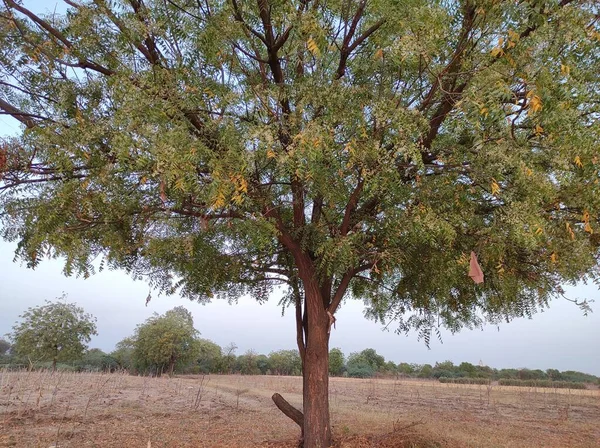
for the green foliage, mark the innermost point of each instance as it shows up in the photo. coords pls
(96, 360)
(165, 342)
(336, 362)
(211, 149)
(55, 332)
(464, 380)
(209, 356)
(541, 383)
(285, 362)
(123, 354)
(247, 364)
(365, 364)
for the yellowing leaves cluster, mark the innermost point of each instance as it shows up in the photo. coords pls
(495, 187)
(535, 102)
(586, 221)
(313, 47)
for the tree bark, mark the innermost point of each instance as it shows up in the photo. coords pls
(290, 411)
(315, 373)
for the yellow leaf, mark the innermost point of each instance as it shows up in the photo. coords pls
(588, 228)
(539, 130)
(271, 154)
(484, 111)
(379, 54)
(219, 201)
(495, 187)
(497, 51)
(570, 230)
(535, 104)
(554, 257)
(528, 171)
(514, 36)
(578, 162)
(539, 231)
(313, 47)
(565, 69)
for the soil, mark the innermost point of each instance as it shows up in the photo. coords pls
(40, 409)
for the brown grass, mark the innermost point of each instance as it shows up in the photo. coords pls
(92, 410)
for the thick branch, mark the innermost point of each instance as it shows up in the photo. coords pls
(17, 114)
(289, 410)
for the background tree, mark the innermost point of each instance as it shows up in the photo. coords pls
(229, 359)
(96, 360)
(336, 362)
(285, 362)
(57, 331)
(123, 353)
(165, 341)
(247, 364)
(209, 357)
(365, 364)
(4, 347)
(343, 149)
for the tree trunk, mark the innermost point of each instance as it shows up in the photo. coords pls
(315, 374)
(53, 365)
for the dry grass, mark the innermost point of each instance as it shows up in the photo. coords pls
(92, 410)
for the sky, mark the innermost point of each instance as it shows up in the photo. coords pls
(560, 337)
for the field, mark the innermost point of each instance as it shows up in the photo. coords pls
(41, 409)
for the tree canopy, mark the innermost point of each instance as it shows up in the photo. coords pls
(340, 149)
(162, 342)
(57, 331)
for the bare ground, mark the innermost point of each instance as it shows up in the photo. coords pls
(40, 409)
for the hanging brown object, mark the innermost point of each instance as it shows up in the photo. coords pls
(475, 271)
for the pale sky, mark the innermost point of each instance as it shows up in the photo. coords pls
(560, 337)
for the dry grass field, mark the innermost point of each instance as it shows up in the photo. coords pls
(46, 410)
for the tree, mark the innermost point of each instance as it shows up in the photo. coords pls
(358, 366)
(247, 364)
(336, 362)
(365, 364)
(209, 356)
(342, 149)
(96, 360)
(4, 347)
(123, 353)
(285, 362)
(57, 331)
(166, 341)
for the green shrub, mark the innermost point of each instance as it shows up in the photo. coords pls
(444, 379)
(541, 383)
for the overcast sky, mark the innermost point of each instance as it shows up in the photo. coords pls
(560, 337)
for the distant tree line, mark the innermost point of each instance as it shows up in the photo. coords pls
(54, 336)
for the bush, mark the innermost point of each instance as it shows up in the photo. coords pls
(444, 379)
(541, 383)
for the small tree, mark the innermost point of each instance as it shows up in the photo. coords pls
(336, 362)
(57, 331)
(163, 342)
(123, 353)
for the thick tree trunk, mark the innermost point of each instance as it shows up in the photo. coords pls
(315, 373)
(317, 429)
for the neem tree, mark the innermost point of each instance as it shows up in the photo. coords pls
(341, 149)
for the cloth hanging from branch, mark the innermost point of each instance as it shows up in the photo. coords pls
(475, 271)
